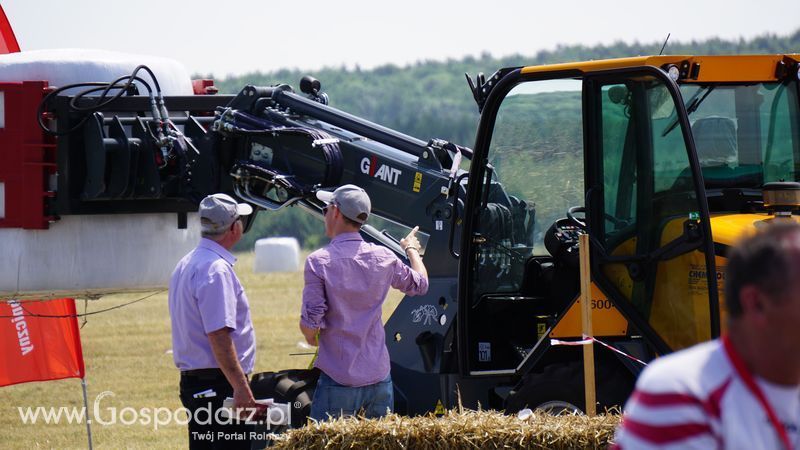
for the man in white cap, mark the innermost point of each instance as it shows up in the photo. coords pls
(345, 285)
(213, 342)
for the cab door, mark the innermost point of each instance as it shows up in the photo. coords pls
(653, 253)
(548, 142)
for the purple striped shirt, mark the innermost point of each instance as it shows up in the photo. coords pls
(346, 283)
(205, 295)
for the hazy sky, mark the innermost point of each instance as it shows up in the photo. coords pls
(236, 36)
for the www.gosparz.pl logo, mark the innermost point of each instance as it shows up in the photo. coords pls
(277, 414)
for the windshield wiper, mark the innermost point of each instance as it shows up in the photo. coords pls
(694, 103)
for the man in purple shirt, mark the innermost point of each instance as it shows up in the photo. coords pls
(345, 285)
(213, 343)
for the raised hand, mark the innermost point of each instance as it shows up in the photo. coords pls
(410, 241)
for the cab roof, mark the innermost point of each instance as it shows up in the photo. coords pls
(694, 69)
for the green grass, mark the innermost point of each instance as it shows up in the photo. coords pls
(126, 352)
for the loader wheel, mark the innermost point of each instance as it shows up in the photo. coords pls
(558, 389)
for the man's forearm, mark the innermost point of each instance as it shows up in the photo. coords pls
(225, 354)
(410, 244)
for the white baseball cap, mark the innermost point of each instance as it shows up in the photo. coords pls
(351, 200)
(219, 211)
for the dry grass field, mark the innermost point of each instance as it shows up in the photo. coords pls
(127, 352)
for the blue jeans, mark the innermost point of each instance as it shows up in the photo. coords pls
(332, 399)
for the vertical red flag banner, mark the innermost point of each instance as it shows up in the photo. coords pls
(40, 340)
(8, 42)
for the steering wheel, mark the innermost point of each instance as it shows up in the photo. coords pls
(561, 239)
(581, 223)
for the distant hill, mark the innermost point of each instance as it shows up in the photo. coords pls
(430, 98)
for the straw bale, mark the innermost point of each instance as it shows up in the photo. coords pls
(466, 429)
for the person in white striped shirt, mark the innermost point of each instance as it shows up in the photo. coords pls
(741, 391)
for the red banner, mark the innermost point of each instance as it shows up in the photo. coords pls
(8, 42)
(40, 341)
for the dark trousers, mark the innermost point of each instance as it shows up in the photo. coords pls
(205, 430)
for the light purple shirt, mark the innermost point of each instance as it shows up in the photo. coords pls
(346, 283)
(204, 296)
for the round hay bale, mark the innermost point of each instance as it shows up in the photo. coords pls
(278, 254)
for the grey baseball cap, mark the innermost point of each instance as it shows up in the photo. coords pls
(219, 211)
(351, 200)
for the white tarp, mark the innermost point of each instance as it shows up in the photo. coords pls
(99, 254)
(92, 254)
(60, 67)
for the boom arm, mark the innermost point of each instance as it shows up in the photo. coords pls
(272, 147)
(287, 146)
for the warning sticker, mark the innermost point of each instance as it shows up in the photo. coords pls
(439, 410)
(417, 181)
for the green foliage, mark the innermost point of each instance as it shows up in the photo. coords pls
(430, 99)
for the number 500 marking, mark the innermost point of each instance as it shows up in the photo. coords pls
(602, 304)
